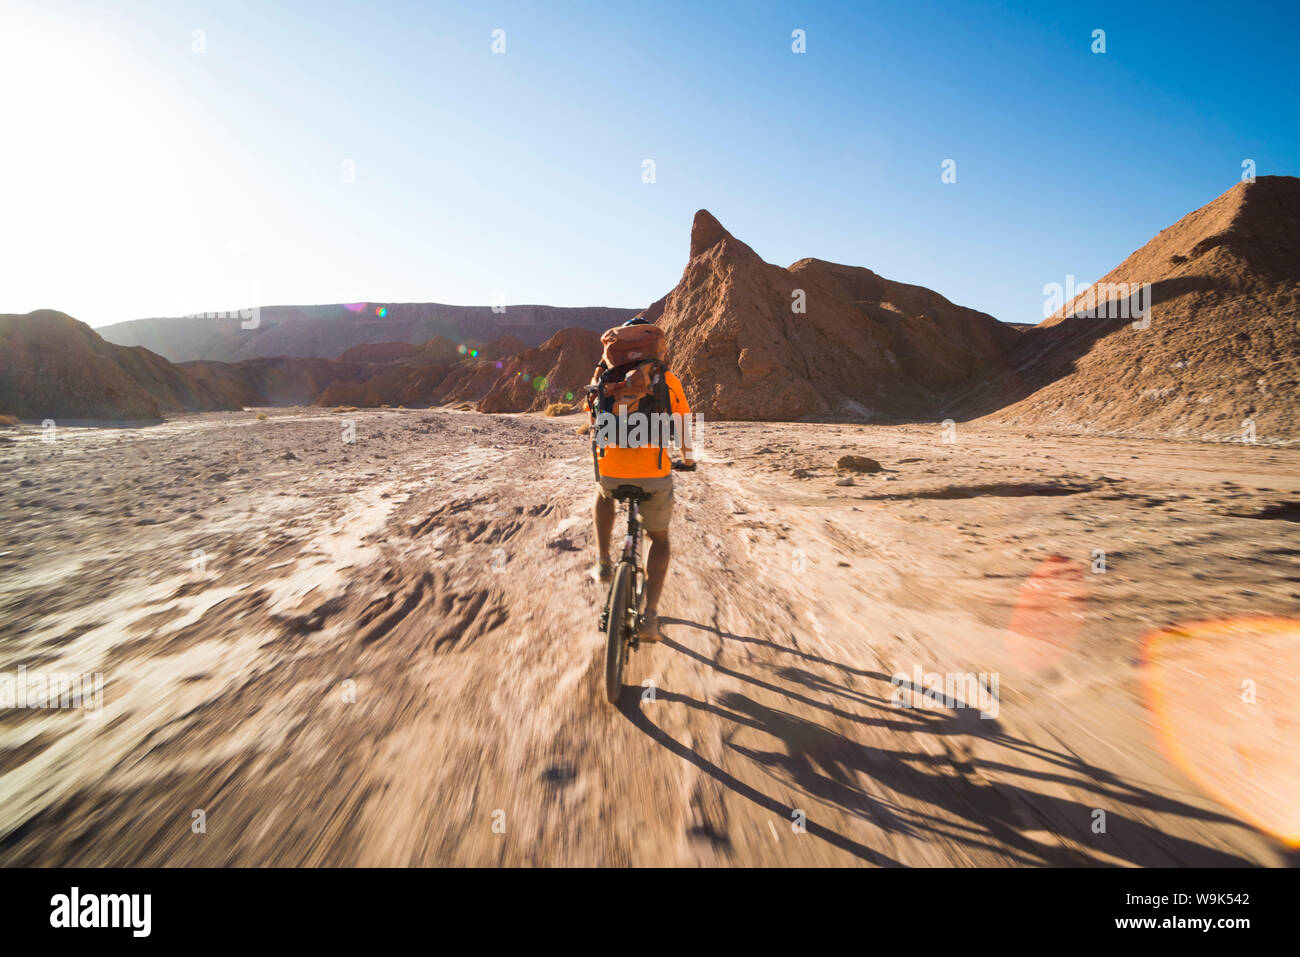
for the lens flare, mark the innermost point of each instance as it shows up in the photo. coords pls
(461, 348)
(539, 383)
(1049, 613)
(1226, 699)
(381, 311)
(356, 306)
(474, 353)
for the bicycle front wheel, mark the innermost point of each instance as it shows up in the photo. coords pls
(616, 630)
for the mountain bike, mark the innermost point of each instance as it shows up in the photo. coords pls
(621, 619)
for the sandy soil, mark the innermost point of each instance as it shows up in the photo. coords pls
(239, 581)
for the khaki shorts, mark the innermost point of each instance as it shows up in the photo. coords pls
(656, 511)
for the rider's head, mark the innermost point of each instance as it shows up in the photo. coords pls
(638, 321)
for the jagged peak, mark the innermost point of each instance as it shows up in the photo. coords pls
(706, 232)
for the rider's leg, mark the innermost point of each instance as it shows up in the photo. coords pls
(656, 572)
(656, 568)
(604, 525)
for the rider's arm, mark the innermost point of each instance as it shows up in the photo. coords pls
(680, 407)
(589, 404)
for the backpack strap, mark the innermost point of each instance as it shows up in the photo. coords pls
(663, 402)
(597, 397)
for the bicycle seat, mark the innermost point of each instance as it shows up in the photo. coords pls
(631, 493)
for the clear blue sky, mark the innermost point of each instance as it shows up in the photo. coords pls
(144, 178)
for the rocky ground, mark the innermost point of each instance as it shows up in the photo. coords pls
(384, 650)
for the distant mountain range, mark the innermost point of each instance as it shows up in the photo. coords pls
(1195, 334)
(326, 332)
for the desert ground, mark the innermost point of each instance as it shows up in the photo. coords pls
(384, 651)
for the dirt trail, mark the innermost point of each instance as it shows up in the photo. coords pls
(385, 651)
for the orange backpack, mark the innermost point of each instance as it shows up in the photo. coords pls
(631, 363)
(630, 377)
(624, 344)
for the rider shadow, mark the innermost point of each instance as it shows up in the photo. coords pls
(897, 720)
(629, 704)
(825, 765)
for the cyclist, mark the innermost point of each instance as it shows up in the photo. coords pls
(648, 467)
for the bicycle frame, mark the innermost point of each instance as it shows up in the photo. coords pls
(621, 619)
(632, 542)
(632, 555)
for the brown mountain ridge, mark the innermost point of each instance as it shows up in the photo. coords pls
(327, 331)
(1218, 354)
(814, 341)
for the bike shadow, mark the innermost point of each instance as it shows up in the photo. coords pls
(826, 766)
(629, 704)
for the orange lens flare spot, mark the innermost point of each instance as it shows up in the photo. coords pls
(1226, 700)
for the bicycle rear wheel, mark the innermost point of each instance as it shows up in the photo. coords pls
(616, 630)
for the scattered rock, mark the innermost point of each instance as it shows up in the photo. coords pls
(560, 775)
(857, 463)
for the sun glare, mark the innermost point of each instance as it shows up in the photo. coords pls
(91, 205)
